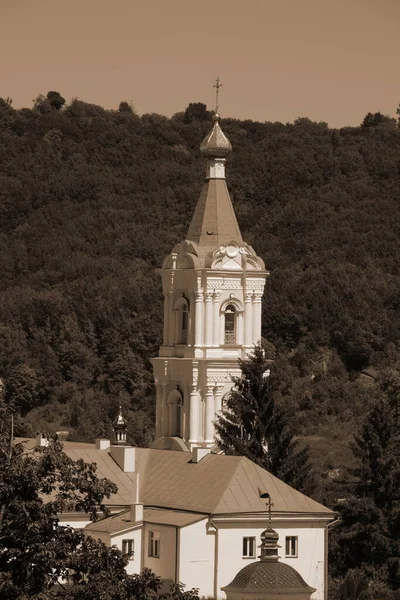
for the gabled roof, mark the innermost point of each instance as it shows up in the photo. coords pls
(214, 221)
(217, 485)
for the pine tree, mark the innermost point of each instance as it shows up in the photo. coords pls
(368, 535)
(255, 425)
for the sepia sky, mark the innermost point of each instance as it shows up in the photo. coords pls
(329, 60)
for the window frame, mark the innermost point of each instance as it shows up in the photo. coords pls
(230, 309)
(154, 544)
(128, 547)
(249, 546)
(291, 546)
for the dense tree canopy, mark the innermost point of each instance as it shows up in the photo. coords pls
(365, 545)
(91, 200)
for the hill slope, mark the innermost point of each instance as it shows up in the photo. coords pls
(92, 200)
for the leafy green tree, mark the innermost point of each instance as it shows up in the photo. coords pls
(126, 107)
(255, 425)
(39, 558)
(375, 119)
(55, 100)
(196, 111)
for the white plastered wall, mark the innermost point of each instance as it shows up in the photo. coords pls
(135, 564)
(309, 562)
(196, 558)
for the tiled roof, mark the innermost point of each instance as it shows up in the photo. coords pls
(114, 524)
(214, 221)
(218, 484)
(158, 516)
(271, 576)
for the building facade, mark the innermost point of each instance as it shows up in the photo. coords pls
(213, 284)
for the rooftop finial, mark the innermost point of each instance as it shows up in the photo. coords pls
(217, 85)
(269, 537)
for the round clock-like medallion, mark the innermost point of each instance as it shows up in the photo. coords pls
(232, 251)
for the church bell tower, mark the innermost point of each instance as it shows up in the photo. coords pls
(213, 284)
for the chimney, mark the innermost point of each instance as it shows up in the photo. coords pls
(41, 440)
(124, 456)
(199, 453)
(102, 444)
(137, 506)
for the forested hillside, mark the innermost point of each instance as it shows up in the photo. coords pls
(91, 200)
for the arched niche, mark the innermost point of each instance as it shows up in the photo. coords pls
(175, 404)
(181, 310)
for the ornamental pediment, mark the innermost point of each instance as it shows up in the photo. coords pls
(233, 257)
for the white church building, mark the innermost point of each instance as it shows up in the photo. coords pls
(197, 517)
(191, 515)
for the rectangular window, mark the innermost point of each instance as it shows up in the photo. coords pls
(128, 547)
(154, 544)
(230, 333)
(249, 547)
(291, 543)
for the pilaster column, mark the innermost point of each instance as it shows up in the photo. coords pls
(194, 415)
(185, 412)
(209, 416)
(166, 318)
(208, 334)
(158, 409)
(172, 410)
(216, 319)
(239, 334)
(248, 319)
(257, 317)
(171, 319)
(164, 409)
(218, 397)
(198, 325)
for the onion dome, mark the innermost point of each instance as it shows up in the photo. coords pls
(216, 144)
(268, 578)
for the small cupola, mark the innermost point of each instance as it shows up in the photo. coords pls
(120, 429)
(267, 578)
(216, 144)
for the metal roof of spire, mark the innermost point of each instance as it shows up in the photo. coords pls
(214, 221)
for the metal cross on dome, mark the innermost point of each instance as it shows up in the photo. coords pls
(217, 85)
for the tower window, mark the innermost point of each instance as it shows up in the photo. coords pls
(291, 543)
(249, 547)
(230, 325)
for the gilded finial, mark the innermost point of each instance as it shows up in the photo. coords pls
(217, 85)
